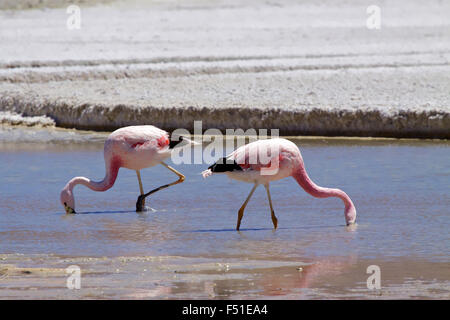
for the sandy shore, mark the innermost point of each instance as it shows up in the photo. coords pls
(175, 277)
(300, 67)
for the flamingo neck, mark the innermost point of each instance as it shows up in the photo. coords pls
(310, 187)
(107, 182)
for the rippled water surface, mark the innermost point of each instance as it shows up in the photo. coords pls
(400, 190)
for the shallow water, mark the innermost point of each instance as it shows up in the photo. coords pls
(399, 187)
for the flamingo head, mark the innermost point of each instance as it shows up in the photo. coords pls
(350, 214)
(67, 200)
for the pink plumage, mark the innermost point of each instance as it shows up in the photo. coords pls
(133, 147)
(264, 161)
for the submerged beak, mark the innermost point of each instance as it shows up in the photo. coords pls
(351, 226)
(69, 210)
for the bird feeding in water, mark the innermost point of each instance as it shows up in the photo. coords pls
(135, 148)
(264, 161)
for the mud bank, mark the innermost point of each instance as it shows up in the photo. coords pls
(316, 121)
(176, 277)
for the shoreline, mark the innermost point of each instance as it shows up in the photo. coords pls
(174, 277)
(413, 124)
(30, 126)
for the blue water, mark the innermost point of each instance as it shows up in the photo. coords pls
(400, 190)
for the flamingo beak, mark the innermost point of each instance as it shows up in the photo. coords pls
(68, 209)
(189, 141)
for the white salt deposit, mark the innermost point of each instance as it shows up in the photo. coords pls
(12, 118)
(301, 67)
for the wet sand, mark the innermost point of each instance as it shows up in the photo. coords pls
(178, 277)
(187, 246)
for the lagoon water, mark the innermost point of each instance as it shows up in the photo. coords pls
(187, 245)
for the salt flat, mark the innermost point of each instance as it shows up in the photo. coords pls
(304, 68)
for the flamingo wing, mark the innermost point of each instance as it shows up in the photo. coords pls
(262, 157)
(258, 155)
(144, 137)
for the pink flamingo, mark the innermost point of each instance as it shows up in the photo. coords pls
(282, 159)
(135, 148)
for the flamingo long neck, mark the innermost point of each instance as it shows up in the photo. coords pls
(319, 192)
(105, 184)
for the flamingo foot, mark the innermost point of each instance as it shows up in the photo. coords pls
(275, 222)
(140, 203)
(141, 207)
(240, 215)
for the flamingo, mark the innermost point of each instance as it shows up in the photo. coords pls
(135, 148)
(247, 164)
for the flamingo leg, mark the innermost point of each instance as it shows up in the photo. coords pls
(241, 210)
(141, 189)
(272, 212)
(142, 197)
